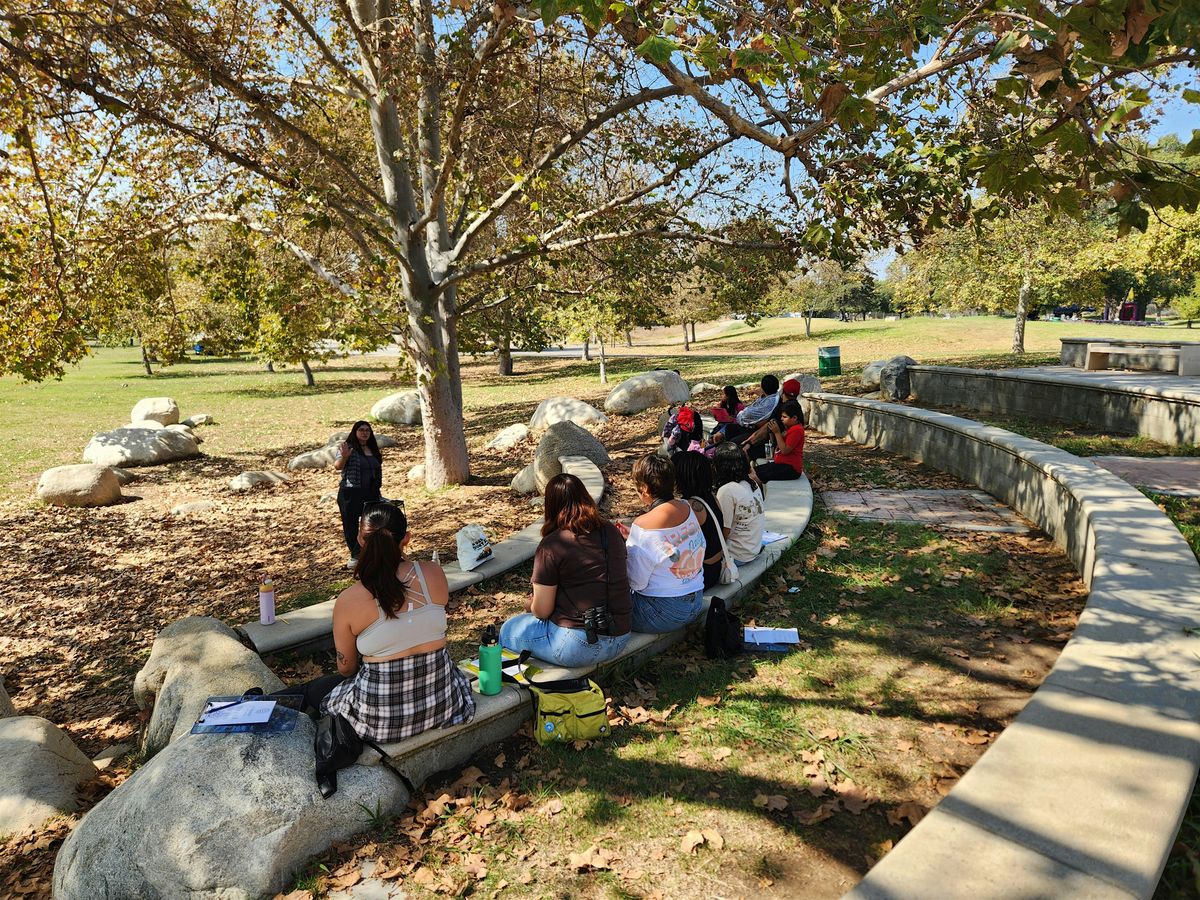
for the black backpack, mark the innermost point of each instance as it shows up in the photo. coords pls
(338, 745)
(722, 632)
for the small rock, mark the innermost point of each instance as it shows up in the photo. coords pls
(383, 440)
(199, 419)
(524, 482)
(417, 472)
(331, 497)
(403, 408)
(82, 485)
(41, 771)
(160, 409)
(565, 409)
(509, 437)
(650, 389)
(703, 387)
(247, 480)
(110, 755)
(195, 506)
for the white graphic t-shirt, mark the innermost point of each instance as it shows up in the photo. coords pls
(742, 509)
(666, 562)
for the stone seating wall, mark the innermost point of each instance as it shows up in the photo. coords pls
(1163, 412)
(1083, 794)
(1073, 352)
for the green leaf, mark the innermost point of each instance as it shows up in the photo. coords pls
(657, 49)
(1193, 146)
(1191, 95)
(1005, 44)
(593, 13)
(550, 11)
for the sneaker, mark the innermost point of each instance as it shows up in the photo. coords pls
(352, 562)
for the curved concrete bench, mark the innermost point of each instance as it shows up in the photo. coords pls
(1120, 403)
(789, 507)
(587, 472)
(1084, 792)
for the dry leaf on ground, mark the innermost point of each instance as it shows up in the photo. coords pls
(691, 841)
(593, 858)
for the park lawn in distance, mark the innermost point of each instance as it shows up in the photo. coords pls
(259, 413)
(783, 775)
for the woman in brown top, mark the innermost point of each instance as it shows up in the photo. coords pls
(580, 609)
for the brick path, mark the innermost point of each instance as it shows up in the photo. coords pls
(1164, 474)
(964, 510)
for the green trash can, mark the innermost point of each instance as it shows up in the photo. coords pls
(829, 361)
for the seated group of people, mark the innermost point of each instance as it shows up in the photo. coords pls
(595, 582)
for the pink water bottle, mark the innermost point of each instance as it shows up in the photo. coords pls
(266, 601)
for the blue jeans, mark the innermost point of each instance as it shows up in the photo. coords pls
(658, 615)
(558, 644)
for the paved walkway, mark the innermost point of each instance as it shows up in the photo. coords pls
(963, 510)
(1165, 474)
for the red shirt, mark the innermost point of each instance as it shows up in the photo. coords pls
(792, 452)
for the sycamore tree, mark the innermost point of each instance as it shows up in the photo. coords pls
(443, 142)
(819, 287)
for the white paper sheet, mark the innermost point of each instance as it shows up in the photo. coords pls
(770, 537)
(250, 712)
(760, 635)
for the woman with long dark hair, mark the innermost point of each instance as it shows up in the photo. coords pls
(579, 611)
(396, 678)
(361, 482)
(666, 552)
(694, 482)
(741, 503)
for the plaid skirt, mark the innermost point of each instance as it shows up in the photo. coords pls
(391, 701)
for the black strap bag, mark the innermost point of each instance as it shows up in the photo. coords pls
(338, 745)
(723, 635)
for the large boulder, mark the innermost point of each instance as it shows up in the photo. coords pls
(191, 660)
(248, 480)
(809, 384)
(198, 419)
(41, 772)
(187, 430)
(134, 446)
(383, 440)
(403, 408)
(6, 705)
(564, 439)
(159, 409)
(894, 382)
(870, 372)
(704, 387)
(228, 816)
(321, 458)
(565, 409)
(646, 391)
(509, 437)
(82, 485)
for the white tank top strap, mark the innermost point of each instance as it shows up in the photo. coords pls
(421, 580)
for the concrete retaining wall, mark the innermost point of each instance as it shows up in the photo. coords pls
(1099, 402)
(1073, 352)
(1082, 795)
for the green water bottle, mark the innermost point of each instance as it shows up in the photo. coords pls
(489, 662)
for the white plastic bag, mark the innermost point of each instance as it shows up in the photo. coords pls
(473, 547)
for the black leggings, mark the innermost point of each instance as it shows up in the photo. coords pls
(313, 692)
(351, 502)
(773, 471)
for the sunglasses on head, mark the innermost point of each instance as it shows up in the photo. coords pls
(374, 504)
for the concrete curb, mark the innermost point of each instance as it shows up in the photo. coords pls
(1084, 793)
(1165, 413)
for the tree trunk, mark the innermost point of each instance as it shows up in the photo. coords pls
(808, 325)
(686, 345)
(603, 362)
(1018, 342)
(504, 343)
(693, 331)
(505, 367)
(586, 355)
(628, 338)
(146, 361)
(270, 366)
(308, 375)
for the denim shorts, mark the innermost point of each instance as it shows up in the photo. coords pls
(658, 615)
(558, 644)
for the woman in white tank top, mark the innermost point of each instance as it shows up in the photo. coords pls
(389, 629)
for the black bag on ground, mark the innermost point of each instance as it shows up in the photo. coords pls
(722, 632)
(338, 745)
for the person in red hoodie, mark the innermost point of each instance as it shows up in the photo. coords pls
(789, 439)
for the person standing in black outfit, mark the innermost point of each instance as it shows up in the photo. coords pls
(362, 481)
